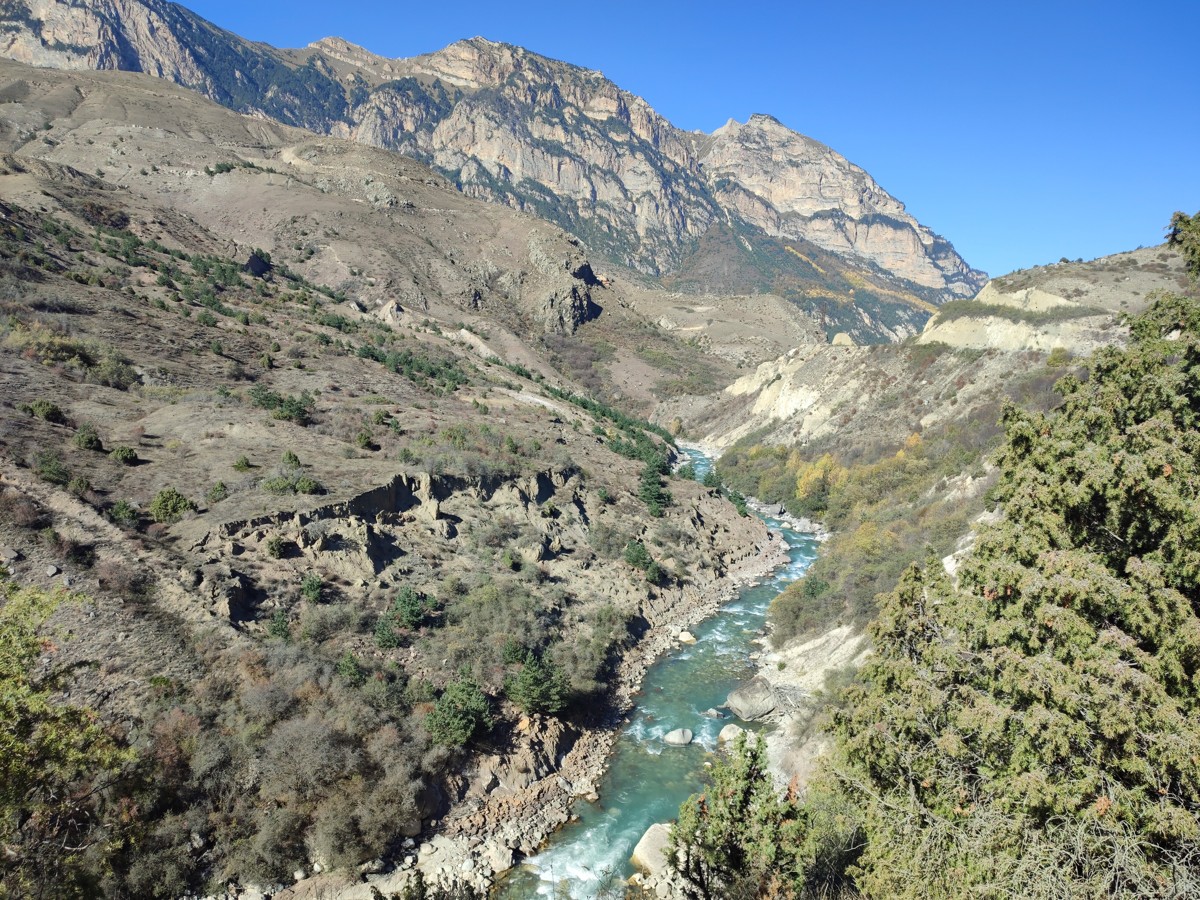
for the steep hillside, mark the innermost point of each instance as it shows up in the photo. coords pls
(889, 447)
(970, 357)
(300, 423)
(565, 143)
(393, 238)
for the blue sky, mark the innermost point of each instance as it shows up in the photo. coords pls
(1022, 132)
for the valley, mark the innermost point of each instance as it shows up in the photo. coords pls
(396, 453)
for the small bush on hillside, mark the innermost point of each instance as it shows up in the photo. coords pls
(86, 438)
(48, 411)
(278, 626)
(123, 513)
(637, 555)
(169, 506)
(49, 467)
(310, 587)
(126, 456)
(462, 712)
(538, 687)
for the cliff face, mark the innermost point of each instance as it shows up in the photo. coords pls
(562, 142)
(791, 186)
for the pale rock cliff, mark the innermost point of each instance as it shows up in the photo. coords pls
(106, 34)
(791, 186)
(1073, 306)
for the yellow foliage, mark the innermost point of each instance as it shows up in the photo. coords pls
(818, 477)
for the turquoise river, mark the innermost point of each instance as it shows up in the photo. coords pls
(647, 780)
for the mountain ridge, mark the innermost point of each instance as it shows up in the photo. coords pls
(511, 126)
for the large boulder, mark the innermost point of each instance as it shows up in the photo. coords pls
(753, 700)
(680, 737)
(650, 854)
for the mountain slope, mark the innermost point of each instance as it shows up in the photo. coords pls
(297, 418)
(565, 143)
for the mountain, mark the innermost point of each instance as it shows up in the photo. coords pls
(751, 206)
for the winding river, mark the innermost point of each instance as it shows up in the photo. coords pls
(647, 780)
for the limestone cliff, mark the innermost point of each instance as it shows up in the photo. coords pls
(791, 186)
(783, 212)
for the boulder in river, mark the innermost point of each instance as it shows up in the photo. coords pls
(729, 733)
(753, 700)
(686, 637)
(680, 737)
(650, 854)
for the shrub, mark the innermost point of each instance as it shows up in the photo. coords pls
(282, 406)
(278, 626)
(310, 587)
(86, 438)
(276, 546)
(1059, 358)
(539, 687)
(79, 485)
(217, 492)
(47, 411)
(637, 555)
(123, 513)
(169, 506)
(290, 460)
(308, 485)
(410, 607)
(292, 483)
(242, 464)
(49, 467)
(351, 670)
(113, 371)
(280, 484)
(462, 712)
(386, 637)
(52, 755)
(126, 456)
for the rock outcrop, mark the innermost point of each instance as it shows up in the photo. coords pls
(792, 186)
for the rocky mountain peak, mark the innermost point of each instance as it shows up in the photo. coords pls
(510, 126)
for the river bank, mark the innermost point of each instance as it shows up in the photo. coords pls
(648, 776)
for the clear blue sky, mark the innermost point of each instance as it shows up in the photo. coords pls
(1022, 132)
